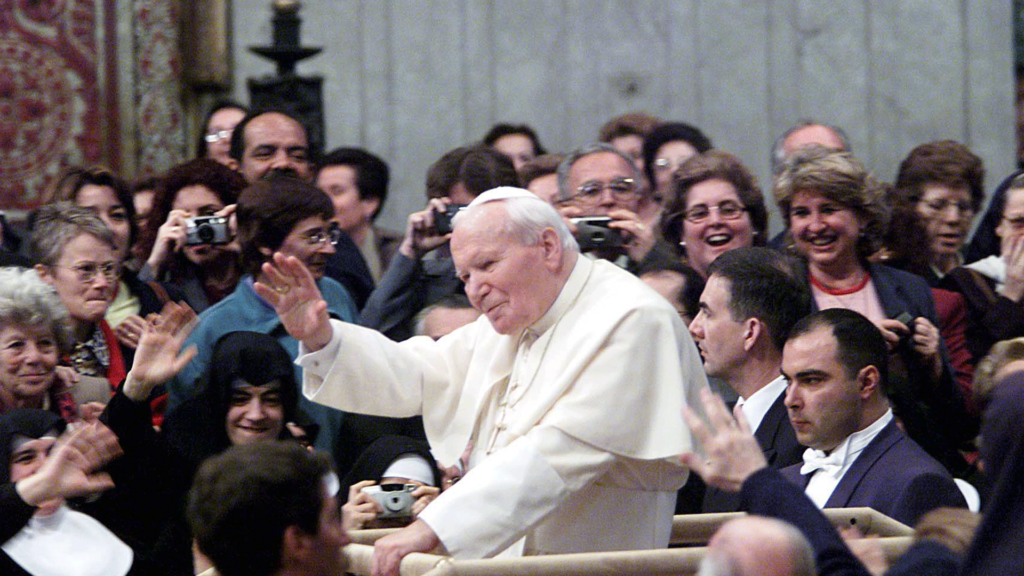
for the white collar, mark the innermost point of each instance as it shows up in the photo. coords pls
(566, 296)
(68, 543)
(839, 460)
(755, 407)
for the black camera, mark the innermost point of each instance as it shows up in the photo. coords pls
(207, 230)
(443, 220)
(395, 499)
(593, 233)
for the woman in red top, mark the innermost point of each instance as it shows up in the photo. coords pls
(77, 256)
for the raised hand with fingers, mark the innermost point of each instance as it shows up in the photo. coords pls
(72, 467)
(290, 289)
(731, 451)
(159, 357)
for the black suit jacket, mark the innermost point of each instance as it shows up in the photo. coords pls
(894, 476)
(767, 493)
(778, 441)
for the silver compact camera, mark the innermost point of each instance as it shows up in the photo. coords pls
(207, 230)
(395, 499)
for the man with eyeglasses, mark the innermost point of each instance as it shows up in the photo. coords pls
(751, 301)
(598, 180)
(283, 215)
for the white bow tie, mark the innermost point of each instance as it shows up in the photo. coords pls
(815, 460)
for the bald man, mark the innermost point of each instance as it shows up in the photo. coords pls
(758, 546)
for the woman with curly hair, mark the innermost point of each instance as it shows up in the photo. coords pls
(837, 216)
(203, 273)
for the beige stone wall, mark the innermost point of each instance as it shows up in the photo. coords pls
(410, 79)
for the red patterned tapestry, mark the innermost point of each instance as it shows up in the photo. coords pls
(58, 92)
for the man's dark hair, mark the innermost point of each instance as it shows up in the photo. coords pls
(478, 168)
(217, 107)
(501, 130)
(859, 342)
(268, 211)
(243, 499)
(764, 284)
(372, 173)
(237, 150)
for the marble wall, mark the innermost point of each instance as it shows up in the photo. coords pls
(410, 79)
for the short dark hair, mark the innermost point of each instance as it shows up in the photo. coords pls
(217, 107)
(478, 168)
(372, 173)
(502, 129)
(75, 178)
(946, 162)
(670, 132)
(767, 285)
(268, 211)
(237, 150)
(859, 343)
(716, 165)
(243, 499)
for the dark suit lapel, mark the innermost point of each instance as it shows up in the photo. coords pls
(872, 452)
(890, 292)
(768, 430)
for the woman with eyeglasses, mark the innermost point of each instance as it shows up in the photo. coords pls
(106, 194)
(837, 215)
(718, 207)
(204, 272)
(943, 183)
(994, 286)
(77, 255)
(218, 126)
(292, 217)
(665, 149)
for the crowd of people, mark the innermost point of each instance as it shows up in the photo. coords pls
(506, 375)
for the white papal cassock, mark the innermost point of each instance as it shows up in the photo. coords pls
(575, 422)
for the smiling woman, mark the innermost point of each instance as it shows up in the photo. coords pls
(34, 332)
(837, 216)
(717, 207)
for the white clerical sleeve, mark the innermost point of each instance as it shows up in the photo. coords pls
(512, 490)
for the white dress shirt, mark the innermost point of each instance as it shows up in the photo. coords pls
(833, 466)
(755, 407)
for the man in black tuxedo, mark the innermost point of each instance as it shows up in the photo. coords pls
(751, 301)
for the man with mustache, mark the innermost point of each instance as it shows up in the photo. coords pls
(268, 143)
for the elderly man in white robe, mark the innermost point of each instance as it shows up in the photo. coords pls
(569, 387)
